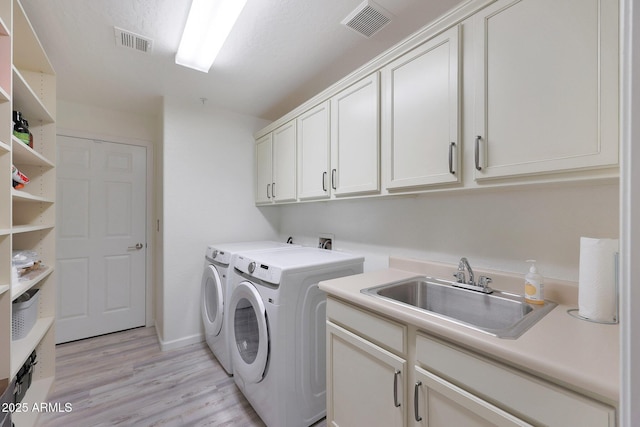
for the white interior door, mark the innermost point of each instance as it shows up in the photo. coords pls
(101, 237)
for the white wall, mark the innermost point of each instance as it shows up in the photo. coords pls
(106, 123)
(496, 230)
(208, 164)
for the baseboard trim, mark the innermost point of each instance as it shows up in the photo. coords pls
(181, 342)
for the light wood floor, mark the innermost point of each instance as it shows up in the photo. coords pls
(124, 379)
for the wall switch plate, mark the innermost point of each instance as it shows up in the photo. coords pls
(325, 241)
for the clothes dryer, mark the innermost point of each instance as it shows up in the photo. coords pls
(277, 328)
(214, 293)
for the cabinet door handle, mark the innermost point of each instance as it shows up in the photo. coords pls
(451, 147)
(478, 138)
(268, 188)
(333, 179)
(395, 389)
(416, 413)
(273, 189)
(324, 181)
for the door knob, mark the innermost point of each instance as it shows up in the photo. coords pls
(137, 247)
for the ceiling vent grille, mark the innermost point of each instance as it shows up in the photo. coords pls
(128, 40)
(367, 19)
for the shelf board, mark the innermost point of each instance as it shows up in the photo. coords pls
(23, 196)
(4, 288)
(22, 348)
(5, 231)
(4, 147)
(36, 394)
(4, 95)
(26, 100)
(24, 285)
(25, 155)
(29, 228)
(4, 31)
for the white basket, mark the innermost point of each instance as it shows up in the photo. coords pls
(24, 315)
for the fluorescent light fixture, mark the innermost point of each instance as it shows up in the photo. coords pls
(208, 25)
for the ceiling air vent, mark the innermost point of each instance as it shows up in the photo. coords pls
(367, 19)
(129, 40)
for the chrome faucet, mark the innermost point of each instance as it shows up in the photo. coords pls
(462, 265)
(481, 286)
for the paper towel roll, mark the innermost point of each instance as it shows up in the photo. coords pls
(597, 294)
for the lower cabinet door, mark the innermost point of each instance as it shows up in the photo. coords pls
(365, 383)
(438, 403)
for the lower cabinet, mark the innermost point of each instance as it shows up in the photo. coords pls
(520, 394)
(381, 372)
(366, 368)
(367, 378)
(438, 403)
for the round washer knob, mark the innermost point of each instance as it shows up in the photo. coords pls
(214, 253)
(252, 267)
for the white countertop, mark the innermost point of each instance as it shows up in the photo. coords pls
(574, 353)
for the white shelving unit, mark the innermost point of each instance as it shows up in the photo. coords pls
(27, 216)
(24, 285)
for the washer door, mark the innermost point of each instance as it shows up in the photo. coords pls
(212, 299)
(250, 333)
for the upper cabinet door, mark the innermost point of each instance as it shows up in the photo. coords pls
(264, 171)
(547, 87)
(314, 139)
(420, 119)
(355, 141)
(283, 188)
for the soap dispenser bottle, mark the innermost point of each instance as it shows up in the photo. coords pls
(533, 285)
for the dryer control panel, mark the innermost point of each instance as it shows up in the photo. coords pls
(258, 270)
(218, 255)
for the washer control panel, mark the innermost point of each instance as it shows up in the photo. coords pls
(258, 270)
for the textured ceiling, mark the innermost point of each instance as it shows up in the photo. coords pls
(280, 53)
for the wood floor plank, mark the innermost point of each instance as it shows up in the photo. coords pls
(124, 379)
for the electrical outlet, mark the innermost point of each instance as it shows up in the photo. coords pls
(325, 241)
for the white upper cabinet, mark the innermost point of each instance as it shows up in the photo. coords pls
(546, 87)
(264, 168)
(420, 114)
(276, 165)
(537, 81)
(283, 188)
(355, 139)
(314, 162)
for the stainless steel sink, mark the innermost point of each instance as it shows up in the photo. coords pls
(500, 314)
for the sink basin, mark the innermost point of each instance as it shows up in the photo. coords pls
(500, 314)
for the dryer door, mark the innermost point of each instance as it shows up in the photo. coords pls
(249, 328)
(212, 298)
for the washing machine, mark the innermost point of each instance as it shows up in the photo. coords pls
(277, 324)
(217, 266)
